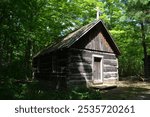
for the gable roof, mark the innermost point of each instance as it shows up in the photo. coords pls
(71, 38)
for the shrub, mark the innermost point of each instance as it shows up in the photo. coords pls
(32, 91)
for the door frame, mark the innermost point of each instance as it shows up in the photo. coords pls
(101, 68)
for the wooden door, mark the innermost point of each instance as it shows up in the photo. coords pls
(97, 70)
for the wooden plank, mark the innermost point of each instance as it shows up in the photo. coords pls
(80, 69)
(108, 56)
(91, 51)
(42, 75)
(110, 74)
(45, 70)
(112, 62)
(97, 68)
(78, 77)
(81, 74)
(110, 69)
(106, 46)
(77, 52)
(44, 65)
(80, 59)
(78, 64)
(96, 41)
(88, 53)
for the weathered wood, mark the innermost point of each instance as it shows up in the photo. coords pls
(80, 59)
(110, 69)
(78, 52)
(98, 43)
(44, 66)
(97, 68)
(110, 74)
(81, 74)
(43, 70)
(42, 75)
(88, 53)
(112, 62)
(94, 40)
(80, 70)
(62, 59)
(109, 56)
(80, 64)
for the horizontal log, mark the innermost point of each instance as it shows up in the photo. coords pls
(43, 64)
(42, 75)
(81, 74)
(75, 51)
(80, 69)
(63, 60)
(80, 59)
(112, 62)
(44, 67)
(80, 53)
(108, 56)
(87, 53)
(110, 69)
(110, 74)
(44, 70)
(80, 64)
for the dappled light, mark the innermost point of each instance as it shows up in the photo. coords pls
(128, 90)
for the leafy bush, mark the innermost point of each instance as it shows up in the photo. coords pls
(32, 91)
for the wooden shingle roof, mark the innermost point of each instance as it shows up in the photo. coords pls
(71, 38)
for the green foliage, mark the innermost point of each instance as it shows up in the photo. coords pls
(30, 91)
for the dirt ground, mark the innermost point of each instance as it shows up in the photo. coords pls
(128, 90)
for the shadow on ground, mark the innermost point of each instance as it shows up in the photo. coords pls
(128, 90)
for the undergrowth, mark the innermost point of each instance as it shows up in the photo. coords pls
(33, 91)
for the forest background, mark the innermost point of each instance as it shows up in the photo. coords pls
(27, 26)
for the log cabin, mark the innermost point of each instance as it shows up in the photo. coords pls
(86, 57)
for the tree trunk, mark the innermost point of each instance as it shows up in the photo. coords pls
(1, 55)
(28, 56)
(9, 53)
(2, 51)
(144, 50)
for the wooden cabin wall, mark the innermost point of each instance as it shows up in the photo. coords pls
(42, 66)
(80, 67)
(51, 70)
(94, 40)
